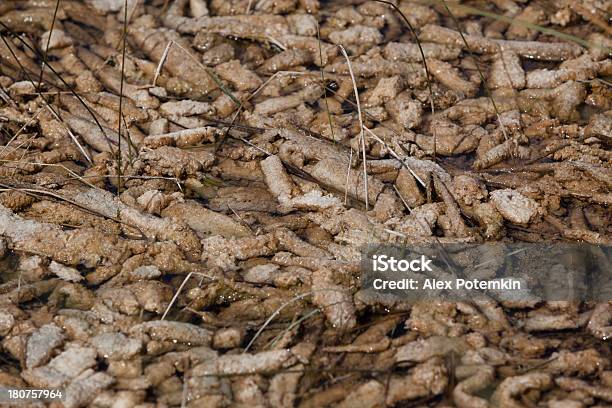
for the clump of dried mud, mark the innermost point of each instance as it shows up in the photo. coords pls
(180, 223)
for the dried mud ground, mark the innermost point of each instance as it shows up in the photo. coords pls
(183, 200)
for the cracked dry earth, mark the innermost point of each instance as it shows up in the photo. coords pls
(180, 224)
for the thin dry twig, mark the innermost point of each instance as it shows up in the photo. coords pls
(480, 73)
(178, 292)
(395, 155)
(361, 134)
(402, 198)
(280, 309)
(348, 177)
(81, 101)
(329, 118)
(423, 60)
(44, 60)
(119, 127)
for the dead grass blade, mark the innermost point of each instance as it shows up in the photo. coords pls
(2, 154)
(273, 315)
(178, 292)
(361, 134)
(395, 155)
(119, 127)
(161, 63)
(293, 324)
(331, 126)
(280, 308)
(70, 133)
(526, 24)
(41, 191)
(480, 74)
(348, 177)
(402, 198)
(44, 59)
(428, 77)
(213, 76)
(74, 175)
(208, 71)
(72, 91)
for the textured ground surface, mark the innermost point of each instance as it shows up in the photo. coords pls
(196, 241)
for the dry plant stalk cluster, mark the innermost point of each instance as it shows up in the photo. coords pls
(185, 186)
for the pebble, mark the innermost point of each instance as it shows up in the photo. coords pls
(514, 206)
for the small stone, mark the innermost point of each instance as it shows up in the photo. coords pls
(116, 345)
(32, 268)
(406, 111)
(228, 364)
(153, 296)
(335, 300)
(152, 201)
(303, 24)
(106, 5)
(600, 126)
(408, 188)
(205, 222)
(64, 272)
(159, 126)
(198, 8)
(227, 338)
(186, 333)
(21, 88)
(386, 89)
(261, 273)
(186, 108)
(84, 389)
(41, 344)
(357, 34)
(145, 272)
(514, 206)
(507, 72)
(6, 323)
(158, 91)
(62, 368)
(59, 39)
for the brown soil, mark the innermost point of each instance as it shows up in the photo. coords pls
(184, 196)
